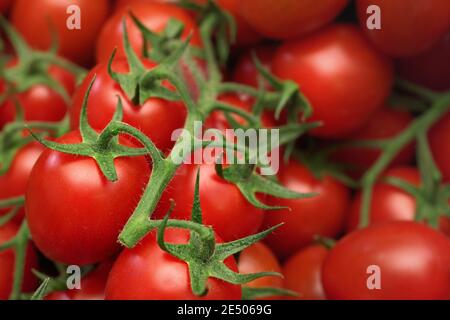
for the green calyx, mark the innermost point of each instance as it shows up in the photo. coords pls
(202, 254)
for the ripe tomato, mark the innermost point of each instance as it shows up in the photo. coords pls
(323, 214)
(34, 18)
(390, 203)
(407, 27)
(13, 183)
(412, 261)
(157, 118)
(245, 70)
(40, 102)
(121, 4)
(153, 15)
(303, 273)
(259, 258)
(289, 18)
(4, 6)
(430, 68)
(385, 123)
(221, 201)
(74, 213)
(438, 138)
(146, 272)
(345, 80)
(7, 263)
(92, 286)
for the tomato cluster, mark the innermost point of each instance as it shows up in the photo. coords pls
(96, 99)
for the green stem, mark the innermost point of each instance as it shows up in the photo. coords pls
(21, 242)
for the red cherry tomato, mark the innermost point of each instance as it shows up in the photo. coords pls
(40, 102)
(14, 182)
(438, 138)
(153, 15)
(259, 258)
(121, 4)
(146, 272)
(384, 124)
(430, 68)
(324, 214)
(92, 286)
(35, 20)
(411, 261)
(157, 118)
(345, 80)
(7, 263)
(303, 273)
(4, 6)
(221, 201)
(289, 18)
(74, 213)
(407, 27)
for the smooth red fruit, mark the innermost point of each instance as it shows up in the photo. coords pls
(122, 4)
(223, 206)
(303, 273)
(407, 27)
(323, 214)
(413, 262)
(438, 138)
(153, 15)
(385, 123)
(35, 20)
(74, 213)
(7, 263)
(284, 19)
(343, 77)
(157, 118)
(146, 272)
(14, 182)
(259, 258)
(430, 68)
(5, 5)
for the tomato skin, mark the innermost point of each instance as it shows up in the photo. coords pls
(221, 201)
(14, 182)
(324, 214)
(284, 19)
(259, 258)
(153, 15)
(74, 213)
(430, 68)
(146, 272)
(439, 136)
(303, 273)
(40, 102)
(7, 263)
(414, 261)
(383, 124)
(31, 19)
(338, 61)
(157, 118)
(121, 4)
(5, 5)
(408, 27)
(92, 286)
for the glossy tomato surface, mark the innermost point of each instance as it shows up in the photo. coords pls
(439, 136)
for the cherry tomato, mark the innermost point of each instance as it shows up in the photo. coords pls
(14, 182)
(157, 118)
(259, 258)
(430, 68)
(121, 4)
(153, 15)
(222, 203)
(385, 123)
(74, 213)
(303, 272)
(407, 27)
(390, 203)
(323, 214)
(35, 20)
(4, 6)
(411, 261)
(92, 286)
(438, 138)
(345, 80)
(7, 263)
(40, 102)
(146, 272)
(289, 18)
